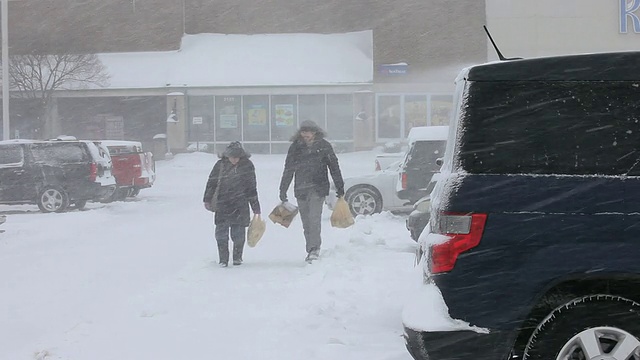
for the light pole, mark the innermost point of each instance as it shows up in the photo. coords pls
(5, 70)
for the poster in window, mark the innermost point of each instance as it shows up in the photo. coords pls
(257, 115)
(114, 127)
(228, 121)
(440, 112)
(284, 115)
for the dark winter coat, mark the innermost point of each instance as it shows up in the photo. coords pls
(237, 191)
(309, 164)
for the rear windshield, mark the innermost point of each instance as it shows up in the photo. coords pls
(11, 155)
(123, 150)
(425, 153)
(575, 128)
(59, 153)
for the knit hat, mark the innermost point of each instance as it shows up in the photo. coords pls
(234, 150)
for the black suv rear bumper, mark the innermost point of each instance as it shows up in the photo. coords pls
(456, 345)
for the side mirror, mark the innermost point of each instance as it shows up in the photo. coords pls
(439, 161)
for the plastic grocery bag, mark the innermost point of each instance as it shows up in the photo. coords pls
(341, 216)
(256, 230)
(284, 214)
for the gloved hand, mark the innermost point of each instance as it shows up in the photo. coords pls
(283, 196)
(207, 206)
(340, 193)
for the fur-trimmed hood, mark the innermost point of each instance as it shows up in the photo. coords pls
(235, 150)
(308, 125)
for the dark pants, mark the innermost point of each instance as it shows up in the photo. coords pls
(238, 234)
(311, 215)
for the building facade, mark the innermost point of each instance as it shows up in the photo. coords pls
(415, 46)
(417, 49)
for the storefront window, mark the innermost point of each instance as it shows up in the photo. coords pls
(389, 114)
(312, 107)
(415, 112)
(201, 107)
(254, 148)
(284, 120)
(256, 118)
(340, 117)
(228, 126)
(441, 109)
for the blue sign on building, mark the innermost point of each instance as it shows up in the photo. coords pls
(629, 14)
(396, 69)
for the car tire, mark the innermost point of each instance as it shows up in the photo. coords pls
(134, 192)
(364, 201)
(53, 199)
(591, 327)
(119, 194)
(79, 204)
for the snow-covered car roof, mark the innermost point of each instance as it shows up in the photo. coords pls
(120, 143)
(428, 133)
(20, 141)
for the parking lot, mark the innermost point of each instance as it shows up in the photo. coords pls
(142, 274)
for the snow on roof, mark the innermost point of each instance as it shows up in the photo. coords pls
(121, 143)
(428, 133)
(219, 60)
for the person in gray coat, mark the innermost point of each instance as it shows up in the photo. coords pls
(235, 175)
(308, 159)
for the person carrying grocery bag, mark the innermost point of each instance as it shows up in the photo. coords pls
(231, 189)
(308, 159)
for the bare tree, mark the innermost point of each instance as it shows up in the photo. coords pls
(37, 77)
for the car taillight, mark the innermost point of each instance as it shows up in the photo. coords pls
(464, 232)
(377, 166)
(403, 180)
(138, 160)
(93, 171)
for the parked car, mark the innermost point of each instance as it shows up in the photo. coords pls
(53, 174)
(383, 160)
(419, 216)
(426, 145)
(533, 235)
(133, 168)
(371, 193)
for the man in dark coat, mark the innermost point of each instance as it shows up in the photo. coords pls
(235, 175)
(308, 159)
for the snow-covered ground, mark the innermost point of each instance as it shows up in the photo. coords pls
(139, 279)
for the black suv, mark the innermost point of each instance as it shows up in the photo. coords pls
(532, 237)
(53, 174)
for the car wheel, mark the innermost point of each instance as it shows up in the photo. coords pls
(79, 204)
(592, 327)
(53, 199)
(134, 192)
(364, 201)
(118, 194)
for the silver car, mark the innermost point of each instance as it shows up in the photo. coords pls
(371, 193)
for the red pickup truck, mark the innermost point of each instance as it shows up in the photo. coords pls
(133, 168)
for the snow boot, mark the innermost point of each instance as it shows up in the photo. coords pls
(311, 256)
